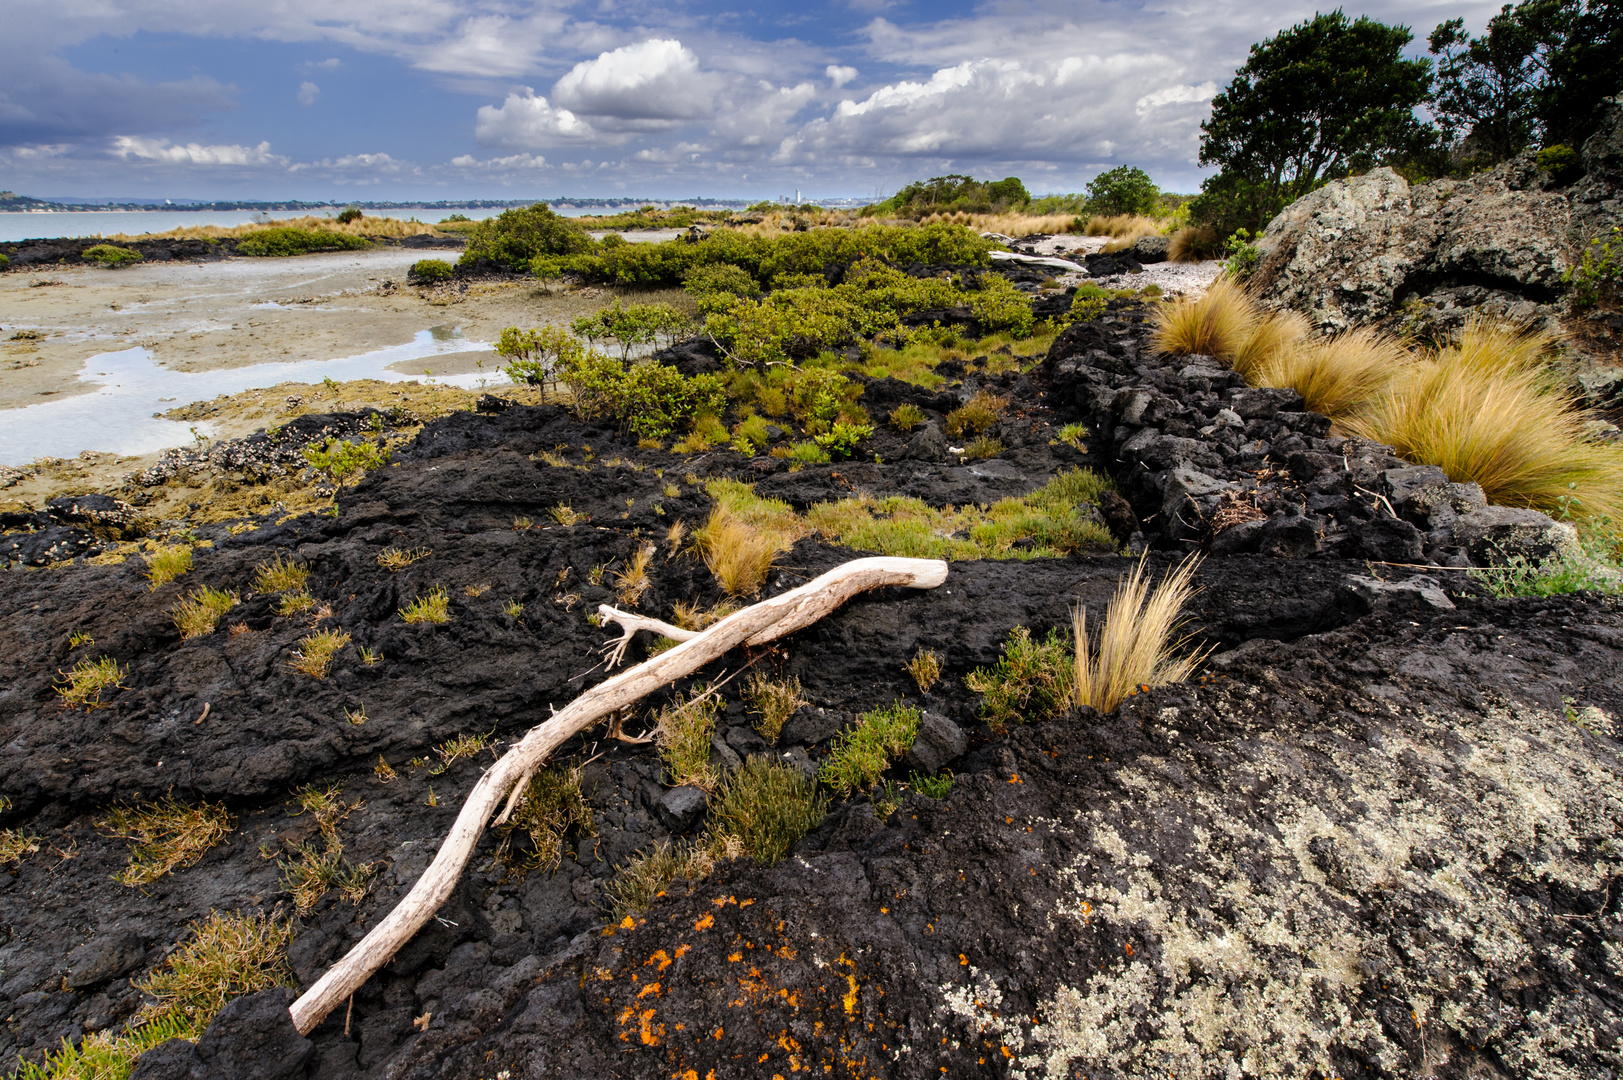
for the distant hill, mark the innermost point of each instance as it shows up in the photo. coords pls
(11, 201)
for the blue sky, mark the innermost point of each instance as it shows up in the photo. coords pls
(447, 99)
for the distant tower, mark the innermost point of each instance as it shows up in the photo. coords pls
(797, 195)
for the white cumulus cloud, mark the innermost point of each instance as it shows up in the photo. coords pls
(527, 121)
(308, 92)
(839, 75)
(131, 146)
(655, 80)
(500, 164)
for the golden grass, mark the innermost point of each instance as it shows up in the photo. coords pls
(454, 750)
(1134, 225)
(738, 554)
(1338, 376)
(200, 613)
(168, 835)
(632, 580)
(389, 228)
(16, 845)
(86, 681)
(1212, 324)
(395, 559)
(1194, 243)
(1483, 410)
(1015, 225)
(1136, 647)
(315, 653)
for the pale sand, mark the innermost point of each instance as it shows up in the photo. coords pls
(238, 312)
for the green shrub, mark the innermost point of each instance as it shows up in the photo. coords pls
(1031, 680)
(650, 400)
(639, 324)
(110, 256)
(861, 754)
(350, 213)
(430, 271)
(5, 264)
(515, 238)
(999, 306)
(806, 451)
(954, 193)
(1599, 271)
(1587, 570)
(715, 287)
(842, 440)
(819, 394)
(1242, 255)
(535, 355)
(767, 806)
(339, 461)
(931, 787)
(907, 416)
(1088, 302)
(288, 240)
(977, 414)
(1561, 162)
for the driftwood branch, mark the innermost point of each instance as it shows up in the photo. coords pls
(630, 623)
(754, 625)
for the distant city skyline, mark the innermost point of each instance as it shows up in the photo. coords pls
(448, 99)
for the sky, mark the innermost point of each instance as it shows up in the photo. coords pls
(506, 99)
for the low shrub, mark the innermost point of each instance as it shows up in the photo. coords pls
(200, 612)
(1242, 255)
(349, 214)
(1136, 647)
(907, 416)
(1000, 307)
(5, 264)
(638, 324)
(552, 809)
(110, 256)
(1031, 680)
(860, 755)
(767, 806)
(682, 734)
(286, 241)
(983, 446)
(842, 440)
(977, 414)
(341, 461)
(516, 238)
(534, 355)
(650, 400)
(431, 271)
(773, 701)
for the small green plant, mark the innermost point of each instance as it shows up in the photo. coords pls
(454, 750)
(294, 603)
(339, 461)
(1567, 572)
(767, 806)
(432, 607)
(431, 271)
(931, 787)
(1088, 303)
(1242, 255)
(16, 845)
(513, 609)
(566, 517)
(925, 667)
(368, 657)
(1072, 435)
(842, 440)
(1032, 679)
(79, 638)
(682, 732)
(861, 754)
(280, 575)
(110, 256)
(773, 701)
(200, 613)
(356, 717)
(907, 416)
(1560, 161)
(807, 452)
(977, 414)
(983, 446)
(87, 679)
(168, 835)
(1599, 271)
(552, 808)
(395, 559)
(649, 874)
(315, 653)
(168, 563)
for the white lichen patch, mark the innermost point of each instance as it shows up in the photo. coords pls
(1327, 895)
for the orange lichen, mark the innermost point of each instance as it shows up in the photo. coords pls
(651, 988)
(705, 923)
(661, 958)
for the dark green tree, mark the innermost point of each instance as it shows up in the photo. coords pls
(1125, 189)
(1328, 97)
(515, 237)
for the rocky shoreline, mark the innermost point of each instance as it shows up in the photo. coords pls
(1377, 837)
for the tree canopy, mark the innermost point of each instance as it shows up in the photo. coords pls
(1323, 99)
(946, 194)
(516, 237)
(1125, 189)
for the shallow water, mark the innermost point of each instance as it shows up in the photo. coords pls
(118, 418)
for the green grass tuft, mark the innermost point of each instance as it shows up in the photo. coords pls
(861, 754)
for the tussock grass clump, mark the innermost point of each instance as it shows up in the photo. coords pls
(431, 607)
(315, 653)
(738, 554)
(1215, 324)
(861, 754)
(925, 667)
(977, 414)
(1136, 647)
(774, 701)
(395, 559)
(983, 446)
(682, 732)
(649, 874)
(565, 516)
(87, 679)
(1031, 680)
(166, 564)
(168, 835)
(454, 750)
(632, 580)
(311, 874)
(293, 603)
(1337, 377)
(200, 613)
(1483, 410)
(552, 808)
(907, 416)
(767, 806)
(1195, 243)
(1134, 225)
(280, 575)
(16, 845)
